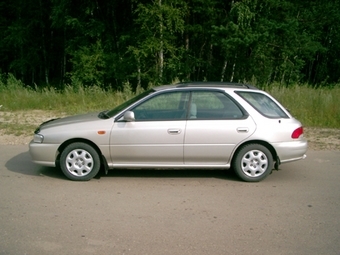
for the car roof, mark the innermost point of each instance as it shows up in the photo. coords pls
(206, 84)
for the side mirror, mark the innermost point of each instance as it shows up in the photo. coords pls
(129, 116)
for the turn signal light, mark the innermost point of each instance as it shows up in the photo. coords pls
(297, 132)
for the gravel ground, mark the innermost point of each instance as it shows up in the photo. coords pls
(18, 127)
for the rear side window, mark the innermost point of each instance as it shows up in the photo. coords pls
(263, 104)
(213, 105)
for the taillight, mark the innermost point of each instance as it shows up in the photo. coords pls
(297, 132)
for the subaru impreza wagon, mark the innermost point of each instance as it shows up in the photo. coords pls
(199, 125)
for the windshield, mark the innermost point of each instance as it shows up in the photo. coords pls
(126, 104)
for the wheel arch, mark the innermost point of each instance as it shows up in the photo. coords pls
(264, 143)
(77, 140)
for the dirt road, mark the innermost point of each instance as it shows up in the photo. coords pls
(293, 211)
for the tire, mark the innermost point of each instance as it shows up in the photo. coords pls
(253, 162)
(80, 162)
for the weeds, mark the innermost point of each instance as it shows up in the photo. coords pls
(71, 100)
(314, 107)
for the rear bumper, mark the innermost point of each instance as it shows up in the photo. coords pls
(291, 151)
(43, 154)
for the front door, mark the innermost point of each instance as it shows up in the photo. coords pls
(156, 136)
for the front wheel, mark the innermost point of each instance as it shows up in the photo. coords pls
(80, 162)
(253, 162)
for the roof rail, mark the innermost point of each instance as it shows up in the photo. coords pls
(214, 83)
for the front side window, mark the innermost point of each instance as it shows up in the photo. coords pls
(166, 106)
(263, 104)
(214, 105)
(121, 107)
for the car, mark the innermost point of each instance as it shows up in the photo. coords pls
(191, 125)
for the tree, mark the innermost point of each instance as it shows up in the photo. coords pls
(157, 51)
(108, 43)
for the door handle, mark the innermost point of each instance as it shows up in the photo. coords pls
(174, 131)
(243, 130)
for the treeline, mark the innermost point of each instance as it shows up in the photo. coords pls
(110, 42)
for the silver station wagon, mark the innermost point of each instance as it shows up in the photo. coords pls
(200, 125)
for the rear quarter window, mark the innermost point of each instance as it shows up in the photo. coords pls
(263, 104)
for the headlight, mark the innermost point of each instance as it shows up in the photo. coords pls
(38, 138)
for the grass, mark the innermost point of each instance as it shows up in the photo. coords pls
(18, 103)
(15, 96)
(314, 107)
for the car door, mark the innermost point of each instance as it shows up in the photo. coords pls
(217, 125)
(156, 136)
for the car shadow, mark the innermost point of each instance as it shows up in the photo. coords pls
(170, 173)
(23, 164)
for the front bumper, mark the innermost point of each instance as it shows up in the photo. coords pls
(43, 154)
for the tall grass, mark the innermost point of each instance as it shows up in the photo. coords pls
(314, 107)
(75, 98)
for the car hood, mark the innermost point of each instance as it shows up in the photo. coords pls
(83, 118)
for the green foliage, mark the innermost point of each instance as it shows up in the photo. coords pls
(159, 23)
(268, 40)
(109, 43)
(314, 107)
(10, 83)
(88, 65)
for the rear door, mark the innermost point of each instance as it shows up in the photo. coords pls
(218, 126)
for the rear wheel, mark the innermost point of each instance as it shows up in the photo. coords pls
(80, 162)
(253, 162)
